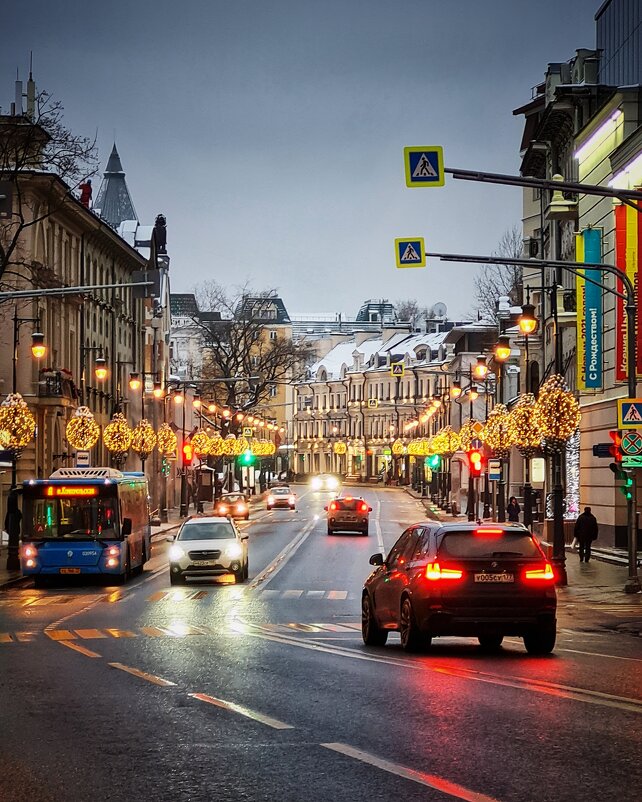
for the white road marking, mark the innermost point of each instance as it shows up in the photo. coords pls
(430, 780)
(268, 574)
(377, 522)
(78, 648)
(242, 711)
(137, 673)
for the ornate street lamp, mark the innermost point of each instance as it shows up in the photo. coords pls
(100, 369)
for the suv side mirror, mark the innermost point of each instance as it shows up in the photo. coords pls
(369, 509)
(126, 527)
(376, 559)
(326, 508)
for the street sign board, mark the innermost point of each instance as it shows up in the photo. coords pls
(603, 450)
(373, 403)
(476, 443)
(631, 443)
(629, 413)
(494, 470)
(248, 431)
(424, 166)
(410, 252)
(629, 461)
(82, 459)
(478, 428)
(397, 369)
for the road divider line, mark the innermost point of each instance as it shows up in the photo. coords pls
(429, 780)
(380, 544)
(268, 574)
(242, 711)
(164, 683)
(78, 648)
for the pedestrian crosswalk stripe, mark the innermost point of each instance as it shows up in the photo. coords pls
(90, 634)
(60, 634)
(337, 594)
(5, 637)
(292, 594)
(121, 633)
(153, 632)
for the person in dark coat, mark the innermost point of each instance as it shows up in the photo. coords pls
(586, 530)
(12, 525)
(513, 510)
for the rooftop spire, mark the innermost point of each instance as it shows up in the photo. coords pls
(114, 203)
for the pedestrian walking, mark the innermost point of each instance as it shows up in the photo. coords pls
(513, 509)
(586, 530)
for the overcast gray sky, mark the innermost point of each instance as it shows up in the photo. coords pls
(271, 132)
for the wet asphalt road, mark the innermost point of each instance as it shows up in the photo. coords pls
(263, 691)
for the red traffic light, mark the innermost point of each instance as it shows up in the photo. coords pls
(475, 462)
(188, 453)
(616, 448)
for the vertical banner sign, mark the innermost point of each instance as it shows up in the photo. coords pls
(637, 215)
(580, 290)
(593, 310)
(621, 334)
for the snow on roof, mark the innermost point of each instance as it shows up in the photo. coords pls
(333, 361)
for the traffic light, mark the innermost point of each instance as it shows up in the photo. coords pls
(247, 458)
(188, 454)
(625, 476)
(475, 462)
(433, 462)
(616, 448)
(165, 467)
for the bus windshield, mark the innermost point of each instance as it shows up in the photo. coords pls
(70, 519)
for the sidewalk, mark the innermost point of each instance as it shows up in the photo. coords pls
(10, 579)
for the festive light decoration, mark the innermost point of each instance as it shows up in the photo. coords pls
(397, 448)
(82, 431)
(143, 439)
(497, 434)
(557, 414)
(340, 448)
(201, 443)
(524, 432)
(420, 447)
(468, 433)
(5, 438)
(17, 421)
(117, 436)
(216, 445)
(572, 508)
(166, 440)
(446, 442)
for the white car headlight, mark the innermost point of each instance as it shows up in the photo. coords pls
(315, 484)
(332, 483)
(175, 553)
(234, 550)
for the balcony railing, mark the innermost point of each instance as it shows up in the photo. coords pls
(57, 384)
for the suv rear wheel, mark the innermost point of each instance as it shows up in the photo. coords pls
(412, 640)
(540, 640)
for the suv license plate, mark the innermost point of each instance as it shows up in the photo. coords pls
(204, 562)
(70, 570)
(494, 578)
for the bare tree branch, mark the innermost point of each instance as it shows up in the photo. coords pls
(494, 281)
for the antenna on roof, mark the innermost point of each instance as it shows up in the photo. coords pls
(31, 91)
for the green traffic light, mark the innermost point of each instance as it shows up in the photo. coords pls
(433, 461)
(247, 458)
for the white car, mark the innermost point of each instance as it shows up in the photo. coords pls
(325, 481)
(207, 546)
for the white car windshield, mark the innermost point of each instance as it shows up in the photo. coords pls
(207, 531)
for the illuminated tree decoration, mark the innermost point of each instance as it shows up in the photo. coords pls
(201, 443)
(216, 445)
(397, 448)
(17, 421)
(340, 448)
(496, 434)
(5, 438)
(446, 442)
(242, 445)
(117, 436)
(82, 430)
(143, 439)
(166, 440)
(467, 434)
(557, 414)
(524, 432)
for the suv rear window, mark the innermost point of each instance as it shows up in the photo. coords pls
(475, 544)
(343, 504)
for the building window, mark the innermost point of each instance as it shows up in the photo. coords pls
(273, 334)
(273, 390)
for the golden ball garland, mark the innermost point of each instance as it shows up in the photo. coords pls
(143, 439)
(82, 431)
(340, 448)
(397, 448)
(117, 435)
(17, 420)
(166, 440)
(201, 443)
(557, 413)
(446, 441)
(523, 429)
(497, 434)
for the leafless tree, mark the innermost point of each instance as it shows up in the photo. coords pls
(235, 326)
(494, 281)
(41, 161)
(409, 310)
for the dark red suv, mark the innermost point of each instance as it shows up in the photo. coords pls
(484, 581)
(348, 514)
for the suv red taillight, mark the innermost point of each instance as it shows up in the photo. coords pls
(544, 573)
(434, 572)
(363, 507)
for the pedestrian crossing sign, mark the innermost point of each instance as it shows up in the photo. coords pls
(629, 413)
(424, 166)
(410, 252)
(373, 403)
(397, 369)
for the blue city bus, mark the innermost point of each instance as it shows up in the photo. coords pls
(85, 521)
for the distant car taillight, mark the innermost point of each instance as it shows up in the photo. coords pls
(543, 574)
(435, 572)
(363, 507)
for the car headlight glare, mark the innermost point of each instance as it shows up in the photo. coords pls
(234, 550)
(175, 553)
(316, 484)
(332, 483)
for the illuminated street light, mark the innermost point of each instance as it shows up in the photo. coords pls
(480, 370)
(134, 381)
(455, 389)
(158, 390)
(38, 347)
(527, 321)
(502, 349)
(100, 371)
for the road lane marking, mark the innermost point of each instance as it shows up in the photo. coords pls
(291, 594)
(337, 594)
(153, 632)
(599, 654)
(25, 637)
(268, 574)
(430, 780)
(60, 634)
(243, 711)
(377, 521)
(90, 634)
(5, 637)
(78, 648)
(143, 675)
(121, 633)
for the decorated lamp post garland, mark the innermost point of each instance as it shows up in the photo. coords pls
(143, 440)
(82, 431)
(117, 437)
(527, 437)
(497, 434)
(201, 443)
(557, 414)
(166, 440)
(20, 426)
